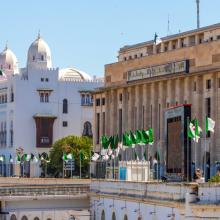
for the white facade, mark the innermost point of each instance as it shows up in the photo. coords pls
(37, 93)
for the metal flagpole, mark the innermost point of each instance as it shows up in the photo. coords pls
(63, 168)
(80, 174)
(158, 160)
(205, 152)
(71, 168)
(114, 165)
(187, 150)
(90, 164)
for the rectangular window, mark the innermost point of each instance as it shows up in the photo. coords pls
(98, 127)
(65, 123)
(208, 84)
(46, 79)
(103, 123)
(120, 97)
(168, 104)
(41, 79)
(103, 101)
(97, 102)
(120, 123)
(135, 118)
(208, 111)
(194, 86)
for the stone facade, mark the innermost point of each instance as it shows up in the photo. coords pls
(142, 102)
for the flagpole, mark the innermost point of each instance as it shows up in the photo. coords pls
(187, 150)
(90, 164)
(80, 174)
(205, 152)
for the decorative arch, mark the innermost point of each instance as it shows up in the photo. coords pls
(125, 217)
(87, 129)
(49, 219)
(65, 106)
(36, 218)
(113, 216)
(13, 217)
(24, 217)
(103, 215)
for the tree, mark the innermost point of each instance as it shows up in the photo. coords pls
(76, 146)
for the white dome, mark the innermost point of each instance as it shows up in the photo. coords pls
(8, 61)
(72, 73)
(39, 55)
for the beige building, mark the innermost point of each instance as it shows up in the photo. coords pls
(148, 78)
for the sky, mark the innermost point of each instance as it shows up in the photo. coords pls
(87, 34)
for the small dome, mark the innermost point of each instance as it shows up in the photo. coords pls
(72, 73)
(39, 55)
(8, 61)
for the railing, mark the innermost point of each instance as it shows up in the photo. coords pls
(43, 190)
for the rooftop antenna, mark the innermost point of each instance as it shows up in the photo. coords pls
(198, 14)
(168, 25)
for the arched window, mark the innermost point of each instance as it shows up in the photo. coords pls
(113, 216)
(33, 58)
(24, 218)
(42, 57)
(49, 219)
(36, 218)
(139, 218)
(87, 129)
(65, 106)
(103, 215)
(125, 217)
(13, 217)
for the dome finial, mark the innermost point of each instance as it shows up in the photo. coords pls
(38, 36)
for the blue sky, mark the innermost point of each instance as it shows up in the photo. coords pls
(87, 34)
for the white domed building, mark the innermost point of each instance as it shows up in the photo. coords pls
(40, 104)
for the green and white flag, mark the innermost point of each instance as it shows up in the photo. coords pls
(150, 134)
(95, 157)
(18, 158)
(194, 131)
(105, 142)
(210, 124)
(69, 156)
(1, 158)
(65, 157)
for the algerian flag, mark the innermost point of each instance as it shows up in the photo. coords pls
(194, 130)
(18, 158)
(81, 155)
(210, 124)
(35, 159)
(65, 157)
(133, 138)
(27, 157)
(126, 140)
(1, 72)
(105, 157)
(150, 134)
(157, 40)
(1, 158)
(11, 159)
(110, 152)
(104, 141)
(69, 156)
(95, 157)
(139, 137)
